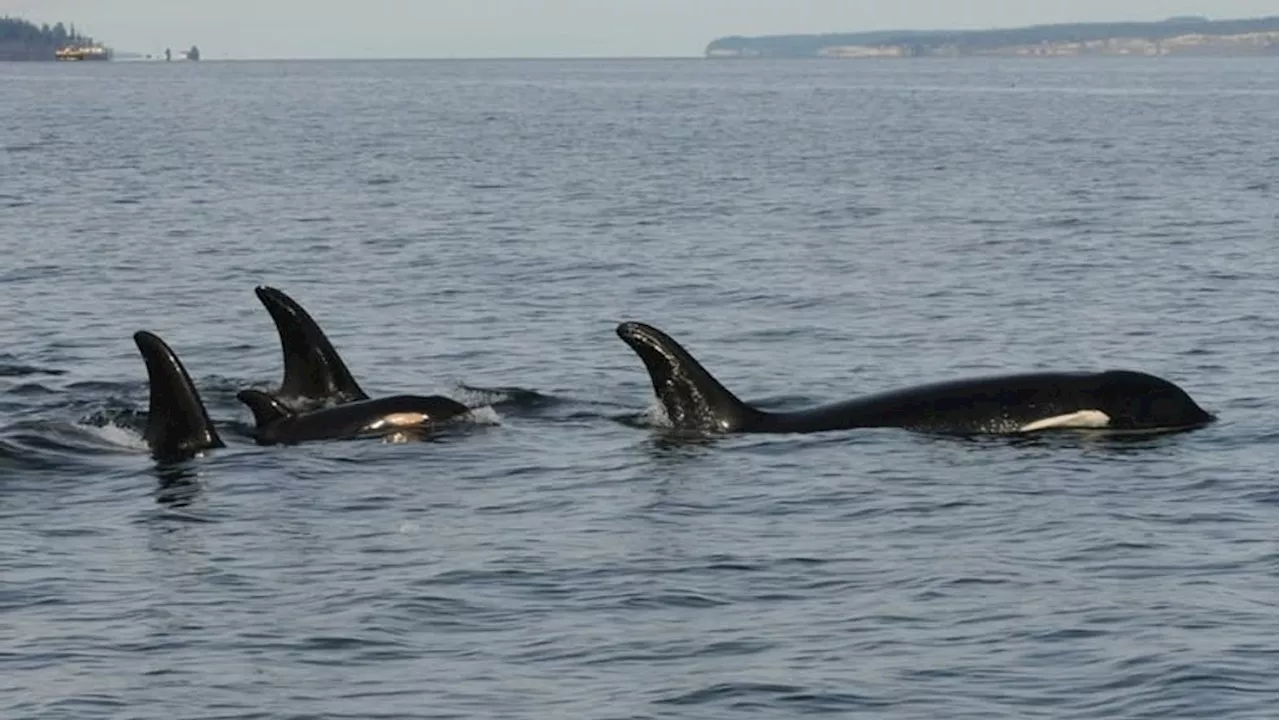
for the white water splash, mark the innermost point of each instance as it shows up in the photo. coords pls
(656, 415)
(126, 438)
(485, 415)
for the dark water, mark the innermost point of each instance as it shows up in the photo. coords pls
(810, 230)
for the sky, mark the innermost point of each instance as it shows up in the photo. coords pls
(547, 28)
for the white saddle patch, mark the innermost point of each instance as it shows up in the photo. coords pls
(404, 419)
(1078, 419)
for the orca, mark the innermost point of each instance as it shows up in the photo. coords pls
(314, 373)
(318, 399)
(277, 423)
(1115, 400)
(178, 426)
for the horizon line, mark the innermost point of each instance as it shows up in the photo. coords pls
(132, 55)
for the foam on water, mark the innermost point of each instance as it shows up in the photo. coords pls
(119, 436)
(485, 415)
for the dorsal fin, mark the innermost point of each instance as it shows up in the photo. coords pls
(312, 368)
(178, 425)
(693, 399)
(266, 409)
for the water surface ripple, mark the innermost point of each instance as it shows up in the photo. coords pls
(811, 230)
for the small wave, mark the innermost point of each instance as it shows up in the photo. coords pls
(113, 427)
(84, 438)
(646, 652)
(20, 370)
(742, 695)
(472, 396)
(32, 389)
(104, 387)
(485, 415)
(678, 599)
(44, 445)
(122, 436)
(16, 455)
(114, 413)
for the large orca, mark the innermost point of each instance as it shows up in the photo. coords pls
(314, 373)
(177, 424)
(1113, 400)
(279, 424)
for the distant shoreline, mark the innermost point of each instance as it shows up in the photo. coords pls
(1176, 36)
(591, 58)
(22, 41)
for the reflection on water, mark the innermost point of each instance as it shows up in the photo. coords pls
(179, 483)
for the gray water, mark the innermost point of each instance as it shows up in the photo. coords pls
(810, 230)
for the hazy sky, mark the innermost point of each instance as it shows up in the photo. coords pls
(541, 28)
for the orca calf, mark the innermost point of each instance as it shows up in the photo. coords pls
(280, 424)
(178, 426)
(1114, 400)
(319, 399)
(314, 373)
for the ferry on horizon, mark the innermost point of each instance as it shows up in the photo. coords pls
(74, 53)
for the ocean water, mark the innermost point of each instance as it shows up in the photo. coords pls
(810, 230)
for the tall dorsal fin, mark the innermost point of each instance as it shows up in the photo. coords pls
(266, 409)
(312, 368)
(692, 398)
(178, 425)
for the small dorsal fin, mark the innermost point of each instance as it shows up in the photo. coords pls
(266, 408)
(312, 368)
(178, 425)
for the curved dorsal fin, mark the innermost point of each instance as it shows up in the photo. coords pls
(312, 368)
(692, 397)
(266, 409)
(178, 425)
